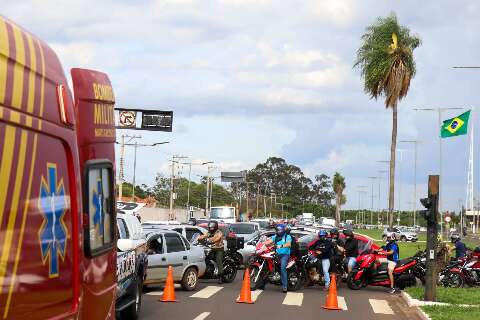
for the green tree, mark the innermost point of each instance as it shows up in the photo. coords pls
(386, 62)
(338, 187)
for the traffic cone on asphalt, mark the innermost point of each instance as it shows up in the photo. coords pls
(332, 301)
(245, 293)
(169, 290)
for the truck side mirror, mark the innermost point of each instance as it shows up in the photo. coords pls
(125, 244)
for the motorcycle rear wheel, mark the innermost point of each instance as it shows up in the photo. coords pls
(354, 284)
(229, 273)
(294, 280)
(453, 280)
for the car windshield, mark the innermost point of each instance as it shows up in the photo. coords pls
(222, 213)
(263, 224)
(242, 228)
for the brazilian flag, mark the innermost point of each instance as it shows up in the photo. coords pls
(456, 126)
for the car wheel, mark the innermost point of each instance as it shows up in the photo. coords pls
(354, 284)
(133, 311)
(190, 279)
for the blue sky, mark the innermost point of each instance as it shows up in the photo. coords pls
(251, 79)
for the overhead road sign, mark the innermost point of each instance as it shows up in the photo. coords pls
(141, 119)
(240, 176)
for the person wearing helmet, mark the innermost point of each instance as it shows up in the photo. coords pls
(460, 247)
(391, 251)
(323, 248)
(282, 242)
(338, 245)
(294, 245)
(350, 249)
(215, 240)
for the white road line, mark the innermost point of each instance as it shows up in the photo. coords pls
(380, 306)
(206, 292)
(202, 316)
(154, 293)
(255, 295)
(341, 303)
(293, 299)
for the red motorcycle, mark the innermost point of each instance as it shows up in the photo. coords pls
(368, 272)
(265, 266)
(463, 271)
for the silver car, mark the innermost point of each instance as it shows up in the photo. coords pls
(186, 230)
(245, 230)
(169, 248)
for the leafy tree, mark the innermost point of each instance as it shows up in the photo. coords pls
(387, 66)
(338, 187)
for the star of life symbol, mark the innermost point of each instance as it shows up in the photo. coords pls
(53, 231)
(97, 200)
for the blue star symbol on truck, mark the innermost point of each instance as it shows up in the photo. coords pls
(53, 231)
(97, 201)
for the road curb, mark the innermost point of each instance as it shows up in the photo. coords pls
(414, 304)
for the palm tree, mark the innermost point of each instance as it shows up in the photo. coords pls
(338, 187)
(387, 66)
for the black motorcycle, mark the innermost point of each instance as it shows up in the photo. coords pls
(230, 264)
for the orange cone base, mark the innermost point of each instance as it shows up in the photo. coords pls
(248, 302)
(161, 300)
(332, 308)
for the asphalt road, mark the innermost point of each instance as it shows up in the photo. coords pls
(216, 302)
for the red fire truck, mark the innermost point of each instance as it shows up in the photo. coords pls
(57, 198)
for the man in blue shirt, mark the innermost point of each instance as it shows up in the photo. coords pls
(392, 251)
(283, 243)
(460, 247)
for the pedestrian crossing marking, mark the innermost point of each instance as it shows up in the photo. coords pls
(342, 303)
(293, 299)
(202, 316)
(206, 292)
(154, 293)
(255, 295)
(380, 306)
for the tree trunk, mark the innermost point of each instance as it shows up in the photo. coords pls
(393, 149)
(338, 200)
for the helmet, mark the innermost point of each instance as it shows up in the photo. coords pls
(280, 229)
(390, 236)
(348, 233)
(288, 228)
(212, 226)
(322, 234)
(334, 231)
(455, 237)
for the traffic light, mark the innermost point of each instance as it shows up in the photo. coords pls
(428, 214)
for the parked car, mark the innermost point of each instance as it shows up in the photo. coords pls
(132, 264)
(188, 231)
(400, 234)
(169, 248)
(264, 223)
(245, 230)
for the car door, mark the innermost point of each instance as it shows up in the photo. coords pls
(176, 254)
(157, 259)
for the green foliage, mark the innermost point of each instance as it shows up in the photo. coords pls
(141, 192)
(377, 60)
(452, 312)
(449, 295)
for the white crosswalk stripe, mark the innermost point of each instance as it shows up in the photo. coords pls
(255, 295)
(206, 292)
(342, 303)
(202, 316)
(154, 293)
(380, 306)
(293, 299)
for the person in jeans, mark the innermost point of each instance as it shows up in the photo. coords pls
(350, 249)
(323, 248)
(282, 242)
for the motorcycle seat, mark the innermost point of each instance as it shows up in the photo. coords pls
(404, 262)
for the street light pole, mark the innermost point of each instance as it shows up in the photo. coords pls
(415, 147)
(371, 212)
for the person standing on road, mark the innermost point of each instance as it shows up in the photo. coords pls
(350, 249)
(215, 240)
(460, 247)
(323, 248)
(283, 243)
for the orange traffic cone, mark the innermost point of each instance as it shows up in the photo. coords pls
(245, 293)
(332, 301)
(169, 290)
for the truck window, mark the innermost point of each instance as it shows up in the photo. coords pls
(100, 207)
(174, 243)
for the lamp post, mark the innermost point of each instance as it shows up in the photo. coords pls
(371, 212)
(415, 146)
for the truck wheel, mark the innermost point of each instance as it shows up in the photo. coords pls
(133, 311)
(190, 279)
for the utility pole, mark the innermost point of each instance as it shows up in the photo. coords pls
(439, 111)
(258, 194)
(173, 195)
(121, 174)
(430, 215)
(208, 195)
(415, 147)
(371, 212)
(190, 164)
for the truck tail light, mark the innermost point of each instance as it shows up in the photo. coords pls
(62, 96)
